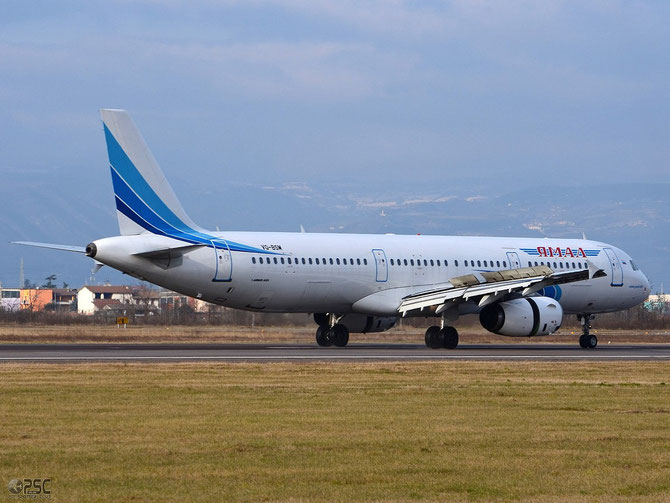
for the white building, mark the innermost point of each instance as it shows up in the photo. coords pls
(91, 299)
(10, 299)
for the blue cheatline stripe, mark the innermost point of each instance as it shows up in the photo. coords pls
(138, 201)
(160, 230)
(130, 199)
(127, 170)
(554, 292)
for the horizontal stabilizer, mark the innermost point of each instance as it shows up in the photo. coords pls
(69, 248)
(159, 252)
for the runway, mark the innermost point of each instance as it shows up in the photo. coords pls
(67, 353)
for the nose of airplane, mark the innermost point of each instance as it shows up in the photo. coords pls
(646, 287)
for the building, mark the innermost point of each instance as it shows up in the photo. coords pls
(91, 299)
(10, 299)
(658, 302)
(35, 299)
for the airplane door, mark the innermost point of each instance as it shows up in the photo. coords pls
(615, 264)
(513, 259)
(381, 265)
(224, 262)
(419, 270)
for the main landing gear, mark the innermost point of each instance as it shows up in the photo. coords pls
(587, 340)
(445, 337)
(330, 332)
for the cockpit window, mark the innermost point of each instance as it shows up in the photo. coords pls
(634, 266)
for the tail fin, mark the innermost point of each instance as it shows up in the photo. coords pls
(144, 199)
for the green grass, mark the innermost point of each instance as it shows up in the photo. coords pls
(457, 431)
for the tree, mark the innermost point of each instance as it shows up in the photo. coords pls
(50, 281)
(65, 285)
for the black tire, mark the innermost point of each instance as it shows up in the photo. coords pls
(434, 337)
(591, 341)
(450, 337)
(340, 335)
(582, 342)
(323, 337)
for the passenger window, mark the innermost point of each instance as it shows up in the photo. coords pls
(504, 264)
(358, 261)
(479, 264)
(337, 261)
(365, 261)
(405, 261)
(530, 264)
(431, 262)
(275, 260)
(253, 260)
(438, 262)
(456, 263)
(579, 265)
(303, 261)
(411, 261)
(281, 260)
(392, 262)
(310, 260)
(498, 263)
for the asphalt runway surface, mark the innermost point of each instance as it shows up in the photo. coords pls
(68, 353)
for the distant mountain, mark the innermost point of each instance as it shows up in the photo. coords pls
(50, 206)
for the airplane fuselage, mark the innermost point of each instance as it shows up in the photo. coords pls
(367, 273)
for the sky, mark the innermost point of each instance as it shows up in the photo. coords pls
(515, 92)
(381, 95)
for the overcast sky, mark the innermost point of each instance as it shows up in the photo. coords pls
(369, 91)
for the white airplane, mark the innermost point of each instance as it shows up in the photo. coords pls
(519, 287)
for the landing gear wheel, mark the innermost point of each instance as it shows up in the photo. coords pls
(434, 337)
(587, 341)
(340, 335)
(449, 337)
(323, 337)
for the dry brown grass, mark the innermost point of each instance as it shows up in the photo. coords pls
(231, 334)
(458, 431)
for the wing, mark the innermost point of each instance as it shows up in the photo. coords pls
(489, 287)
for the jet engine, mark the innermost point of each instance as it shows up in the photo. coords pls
(360, 323)
(523, 317)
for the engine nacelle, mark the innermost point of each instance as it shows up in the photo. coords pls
(360, 323)
(523, 317)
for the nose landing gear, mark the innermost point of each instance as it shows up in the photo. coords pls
(587, 340)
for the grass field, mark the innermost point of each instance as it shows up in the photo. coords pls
(457, 431)
(19, 333)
